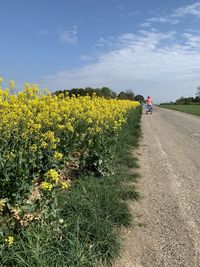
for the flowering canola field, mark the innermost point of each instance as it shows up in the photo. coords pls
(44, 136)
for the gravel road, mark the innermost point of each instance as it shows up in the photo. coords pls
(167, 218)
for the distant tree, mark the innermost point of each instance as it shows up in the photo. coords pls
(186, 100)
(106, 92)
(198, 91)
(59, 92)
(197, 99)
(190, 100)
(89, 91)
(140, 98)
(114, 94)
(130, 94)
(101, 92)
(180, 101)
(122, 95)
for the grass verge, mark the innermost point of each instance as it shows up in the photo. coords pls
(191, 109)
(84, 230)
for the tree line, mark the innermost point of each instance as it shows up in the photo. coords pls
(187, 100)
(101, 92)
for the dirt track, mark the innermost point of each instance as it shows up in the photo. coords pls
(167, 231)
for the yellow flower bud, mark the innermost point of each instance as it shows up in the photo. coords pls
(9, 240)
(12, 84)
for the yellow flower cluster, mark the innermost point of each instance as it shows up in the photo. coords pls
(58, 156)
(9, 240)
(12, 84)
(2, 204)
(39, 129)
(52, 176)
(65, 185)
(49, 116)
(46, 186)
(51, 180)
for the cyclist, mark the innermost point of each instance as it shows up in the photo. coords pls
(149, 103)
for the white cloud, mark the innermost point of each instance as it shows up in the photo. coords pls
(145, 25)
(177, 14)
(193, 9)
(69, 35)
(158, 19)
(150, 62)
(164, 19)
(192, 40)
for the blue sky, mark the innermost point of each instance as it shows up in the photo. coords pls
(151, 46)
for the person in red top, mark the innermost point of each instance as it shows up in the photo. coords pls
(149, 103)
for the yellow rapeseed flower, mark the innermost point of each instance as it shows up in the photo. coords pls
(65, 185)
(44, 123)
(2, 204)
(12, 84)
(46, 186)
(52, 176)
(58, 156)
(9, 240)
(33, 148)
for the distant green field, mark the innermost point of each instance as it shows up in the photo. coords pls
(192, 109)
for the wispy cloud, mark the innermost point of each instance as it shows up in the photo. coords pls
(158, 19)
(144, 59)
(178, 14)
(193, 10)
(150, 61)
(192, 40)
(145, 25)
(69, 35)
(164, 19)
